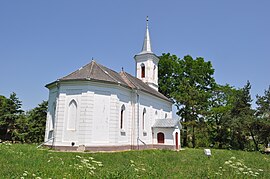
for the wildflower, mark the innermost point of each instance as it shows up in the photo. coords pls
(220, 167)
(227, 162)
(256, 173)
(38, 178)
(49, 161)
(91, 158)
(33, 175)
(136, 169)
(78, 156)
(24, 174)
(233, 158)
(131, 161)
(241, 169)
(260, 170)
(238, 163)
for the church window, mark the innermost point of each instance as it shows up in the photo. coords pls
(72, 115)
(143, 118)
(52, 121)
(154, 72)
(142, 70)
(122, 117)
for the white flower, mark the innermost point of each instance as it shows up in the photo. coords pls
(260, 170)
(241, 169)
(233, 158)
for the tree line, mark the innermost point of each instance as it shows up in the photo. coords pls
(211, 114)
(19, 125)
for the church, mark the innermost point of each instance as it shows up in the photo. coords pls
(98, 109)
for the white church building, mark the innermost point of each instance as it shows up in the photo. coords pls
(97, 109)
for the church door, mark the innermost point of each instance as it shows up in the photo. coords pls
(176, 141)
(160, 138)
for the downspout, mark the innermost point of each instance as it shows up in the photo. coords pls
(138, 120)
(133, 119)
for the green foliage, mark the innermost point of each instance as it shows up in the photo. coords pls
(189, 82)
(16, 125)
(37, 122)
(213, 114)
(262, 124)
(21, 160)
(10, 112)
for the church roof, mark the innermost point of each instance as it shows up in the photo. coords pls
(96, 72)
(166, 123)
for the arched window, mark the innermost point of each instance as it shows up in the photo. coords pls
(160, 138)
(166, 115)
(52, 121)
(142, 70)
(143, 119)
(122, 117)
(154, 72)
(72, 115)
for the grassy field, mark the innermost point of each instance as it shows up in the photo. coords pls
(26, 161)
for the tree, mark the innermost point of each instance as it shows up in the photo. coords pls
(189, 83)
(242, 116)
(263, 118)
(218, 118)
(37, 122)
(10, 112)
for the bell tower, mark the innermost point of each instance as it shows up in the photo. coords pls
(147, 62)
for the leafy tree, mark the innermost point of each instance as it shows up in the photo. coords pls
(37, 122)
(218, 118)
(10, 112)
(262, 125)
(242, 117)
(189, 83)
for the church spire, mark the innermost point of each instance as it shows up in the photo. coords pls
(146, 43)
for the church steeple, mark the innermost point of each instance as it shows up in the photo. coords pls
(147, 62)
(147, 42)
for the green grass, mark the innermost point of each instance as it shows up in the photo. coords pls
(17, 160)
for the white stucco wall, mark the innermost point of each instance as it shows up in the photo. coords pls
(169, 135)
(98, 116)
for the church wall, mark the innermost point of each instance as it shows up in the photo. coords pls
(98, 122)
(51, 115)
(168, 135)
(155, 108)
(98, 114)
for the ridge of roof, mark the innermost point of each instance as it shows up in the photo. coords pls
(106, 72)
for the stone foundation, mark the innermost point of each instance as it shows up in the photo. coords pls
(111, 148)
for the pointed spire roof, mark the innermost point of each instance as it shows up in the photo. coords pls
(146, 43)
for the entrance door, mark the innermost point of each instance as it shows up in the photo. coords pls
(176, 141)
(160, 138)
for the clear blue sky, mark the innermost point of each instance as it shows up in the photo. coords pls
(41, 41)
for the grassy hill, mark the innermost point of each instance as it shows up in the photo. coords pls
(26, 161)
